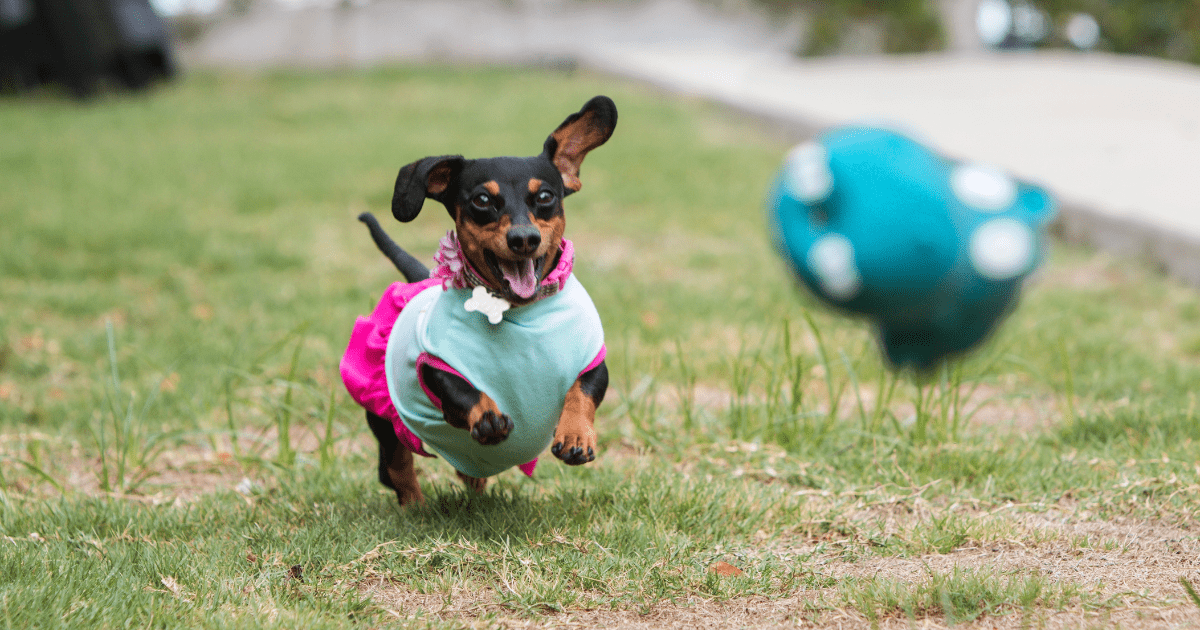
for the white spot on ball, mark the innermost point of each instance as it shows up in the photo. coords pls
(983, 187)
(1002, 249)
(831, 259)
(807, 173)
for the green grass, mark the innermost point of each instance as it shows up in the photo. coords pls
(179, 272)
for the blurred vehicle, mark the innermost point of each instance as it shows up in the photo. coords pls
(80, 43)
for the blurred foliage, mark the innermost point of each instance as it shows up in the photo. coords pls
(1155, 28)
(906, 25)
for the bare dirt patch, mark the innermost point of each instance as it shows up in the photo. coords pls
(1129, 571)
(477, 610)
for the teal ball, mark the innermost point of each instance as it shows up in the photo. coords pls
(932, 250)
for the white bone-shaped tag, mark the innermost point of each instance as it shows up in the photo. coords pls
(483, 301)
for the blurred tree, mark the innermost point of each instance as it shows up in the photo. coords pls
(906, 25)
(1156, 28)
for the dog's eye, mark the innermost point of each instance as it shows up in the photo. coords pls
(482, 201)
(544, 198)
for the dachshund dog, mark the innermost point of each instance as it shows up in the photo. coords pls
(498, 352)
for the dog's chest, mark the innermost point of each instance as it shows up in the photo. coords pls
(526, 363)
(540, 346)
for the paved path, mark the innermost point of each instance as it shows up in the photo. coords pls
(1118, 139)
(504, 31)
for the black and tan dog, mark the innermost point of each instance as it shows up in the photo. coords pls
(499, 352)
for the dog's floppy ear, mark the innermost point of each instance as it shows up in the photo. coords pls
(429, 177)
(581, 132)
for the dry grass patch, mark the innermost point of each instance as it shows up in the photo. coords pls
(1123, 572)
(477, 609)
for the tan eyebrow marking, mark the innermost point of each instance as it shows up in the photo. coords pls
(535, 185)
(492, 187)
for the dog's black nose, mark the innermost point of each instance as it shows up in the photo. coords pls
(524, 239)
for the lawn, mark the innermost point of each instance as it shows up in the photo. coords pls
(179, 272)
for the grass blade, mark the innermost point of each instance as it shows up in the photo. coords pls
(1187, 586)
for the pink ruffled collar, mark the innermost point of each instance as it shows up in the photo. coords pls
(456, 272)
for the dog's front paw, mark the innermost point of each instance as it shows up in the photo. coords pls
(493, 427)
(485, 422)
(575, 448)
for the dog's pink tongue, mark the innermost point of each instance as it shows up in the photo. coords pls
(522, 278)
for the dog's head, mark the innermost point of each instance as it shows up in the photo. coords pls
(508, 211)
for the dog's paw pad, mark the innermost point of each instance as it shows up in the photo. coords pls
(573, 456)
(492, 428)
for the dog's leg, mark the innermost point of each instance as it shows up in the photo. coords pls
(388, 443)
(396, 469)
(465, 407)
(475, 483)
(575, 437)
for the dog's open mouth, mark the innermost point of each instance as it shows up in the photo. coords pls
(521, 275)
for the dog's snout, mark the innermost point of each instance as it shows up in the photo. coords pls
(524, 239)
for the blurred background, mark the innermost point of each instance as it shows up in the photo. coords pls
(333, 31)
(71, 40)
(1167, 29)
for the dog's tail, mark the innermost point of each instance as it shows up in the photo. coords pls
(409, 267)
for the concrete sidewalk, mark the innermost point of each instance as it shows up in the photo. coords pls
(1117, 139)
